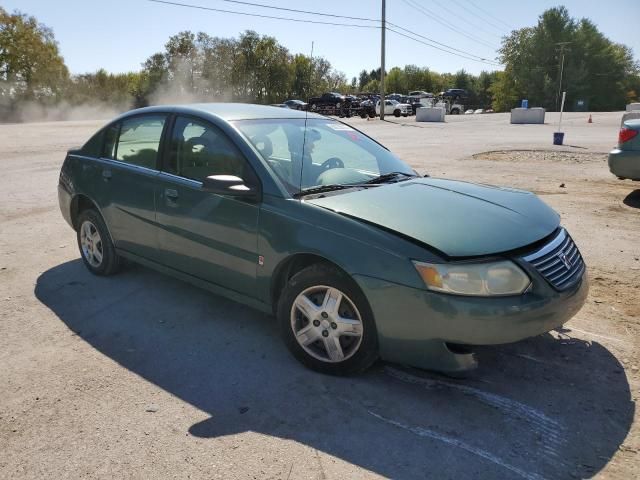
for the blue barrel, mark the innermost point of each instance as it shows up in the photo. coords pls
(525, 103)
(558, 138)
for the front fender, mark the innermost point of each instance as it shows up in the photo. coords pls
(290, 227)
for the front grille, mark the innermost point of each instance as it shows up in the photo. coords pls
(559, 261)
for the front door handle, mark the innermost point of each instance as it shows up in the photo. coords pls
(106, 174)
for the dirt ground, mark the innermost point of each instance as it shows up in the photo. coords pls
(142, 376)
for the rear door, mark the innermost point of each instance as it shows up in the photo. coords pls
(132, 147)
(210, 236)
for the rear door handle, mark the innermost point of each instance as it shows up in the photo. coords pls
(171, 194)
(106, 174)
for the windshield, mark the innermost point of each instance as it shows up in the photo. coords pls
(330, 153)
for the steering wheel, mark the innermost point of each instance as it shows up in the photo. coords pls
(263, 144)
(333, 162)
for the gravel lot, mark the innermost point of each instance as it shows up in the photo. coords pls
(142, 376)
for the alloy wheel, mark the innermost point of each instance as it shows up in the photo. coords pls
(326, 324)
(91, 244)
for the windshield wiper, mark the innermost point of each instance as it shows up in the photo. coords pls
(329, 188)
(388, 176)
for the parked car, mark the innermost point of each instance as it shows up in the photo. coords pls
(421, 94)
(455, 94)
(393, 107)
(308, 218)
(394, 96)
(296, 104)
(367, 109)
(330, 99)
(415, 105)
(624, 160)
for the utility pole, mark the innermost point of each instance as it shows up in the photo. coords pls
(382, 49)
(562, 46)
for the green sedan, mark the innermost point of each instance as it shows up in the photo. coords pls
(624, 161)
(300, 215)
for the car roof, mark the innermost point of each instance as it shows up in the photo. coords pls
(229, 111)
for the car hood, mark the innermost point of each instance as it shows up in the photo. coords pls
(459, 219)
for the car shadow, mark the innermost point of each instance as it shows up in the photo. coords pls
(633, 199)
(544, 408)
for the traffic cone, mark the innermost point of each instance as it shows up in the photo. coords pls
(590, 119)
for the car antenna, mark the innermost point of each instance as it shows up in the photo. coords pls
(306, 116)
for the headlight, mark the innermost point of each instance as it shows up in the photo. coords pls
(481, 279)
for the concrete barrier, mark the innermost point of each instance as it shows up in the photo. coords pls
(631, 115)
(429, 114)
(527, 115)
(633, 107)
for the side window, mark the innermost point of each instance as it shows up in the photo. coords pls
(139, 140)
(93, 148)
(199, 149)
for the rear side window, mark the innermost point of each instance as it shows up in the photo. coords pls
(93, 148)
(139, 140)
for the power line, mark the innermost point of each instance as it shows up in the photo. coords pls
(302, 11)
(478, 59)
(487, 14)
(300, 20)
(447, 24)
(429, 42)
(473, 15)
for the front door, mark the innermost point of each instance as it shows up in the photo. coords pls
(212, 237)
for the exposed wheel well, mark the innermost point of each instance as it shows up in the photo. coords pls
(292, 265)
(79, 204)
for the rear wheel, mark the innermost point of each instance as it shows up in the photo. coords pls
(326, 322)
(96, 248)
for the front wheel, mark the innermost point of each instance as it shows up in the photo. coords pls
(326, 322)
(397, 113)
(96, 248)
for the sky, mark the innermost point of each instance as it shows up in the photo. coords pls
(119, 35)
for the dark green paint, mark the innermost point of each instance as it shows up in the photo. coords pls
(214, 242)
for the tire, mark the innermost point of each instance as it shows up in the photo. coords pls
(95, 244)
(455, 111)
(396, 113)
(349, 325)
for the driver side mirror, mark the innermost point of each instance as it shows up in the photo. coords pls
(229, 185)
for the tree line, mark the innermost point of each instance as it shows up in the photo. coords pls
(256, 68)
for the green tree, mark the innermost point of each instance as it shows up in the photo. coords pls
(31, 67)
(396, 81)
(595, 68)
